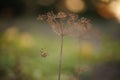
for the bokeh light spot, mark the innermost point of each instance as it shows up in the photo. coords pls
(104, 11)
(75, 5)
(26, 40)
(11, 34)
(115, 8)
(86, 48)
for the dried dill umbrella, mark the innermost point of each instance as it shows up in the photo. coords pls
(65, 24)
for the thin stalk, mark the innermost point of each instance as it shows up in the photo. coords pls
(60, 56)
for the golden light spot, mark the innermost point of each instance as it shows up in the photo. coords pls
(104, 11)
(86, 48)
(115, 8)
(111, 10)
(26, 40)
(75, 5)
(11, 34)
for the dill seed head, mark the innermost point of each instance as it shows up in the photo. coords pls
(65, 24)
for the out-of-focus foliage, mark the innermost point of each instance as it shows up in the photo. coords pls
(20, 55)
(93, 56)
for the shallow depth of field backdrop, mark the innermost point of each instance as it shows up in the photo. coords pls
(93, 56)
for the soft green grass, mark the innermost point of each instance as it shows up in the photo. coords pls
(40, 68)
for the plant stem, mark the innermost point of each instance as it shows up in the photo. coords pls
(60, 58)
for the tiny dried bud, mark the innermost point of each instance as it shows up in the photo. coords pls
(49, 14)
(85, 20)
(43, 53)
(85, 23)
(73, 16)
(61, 15)
(42, 17)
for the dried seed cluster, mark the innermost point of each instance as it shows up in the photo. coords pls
(64, 24)
(43, 52)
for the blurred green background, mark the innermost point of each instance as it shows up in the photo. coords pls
(93, 56)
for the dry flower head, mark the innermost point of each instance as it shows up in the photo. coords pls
(66, 24)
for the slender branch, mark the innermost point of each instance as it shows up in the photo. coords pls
(60, 57)
(58, 21)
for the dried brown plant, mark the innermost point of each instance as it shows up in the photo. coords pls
(43, 52)
(65, 24)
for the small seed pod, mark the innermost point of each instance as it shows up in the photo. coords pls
(43, 53)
